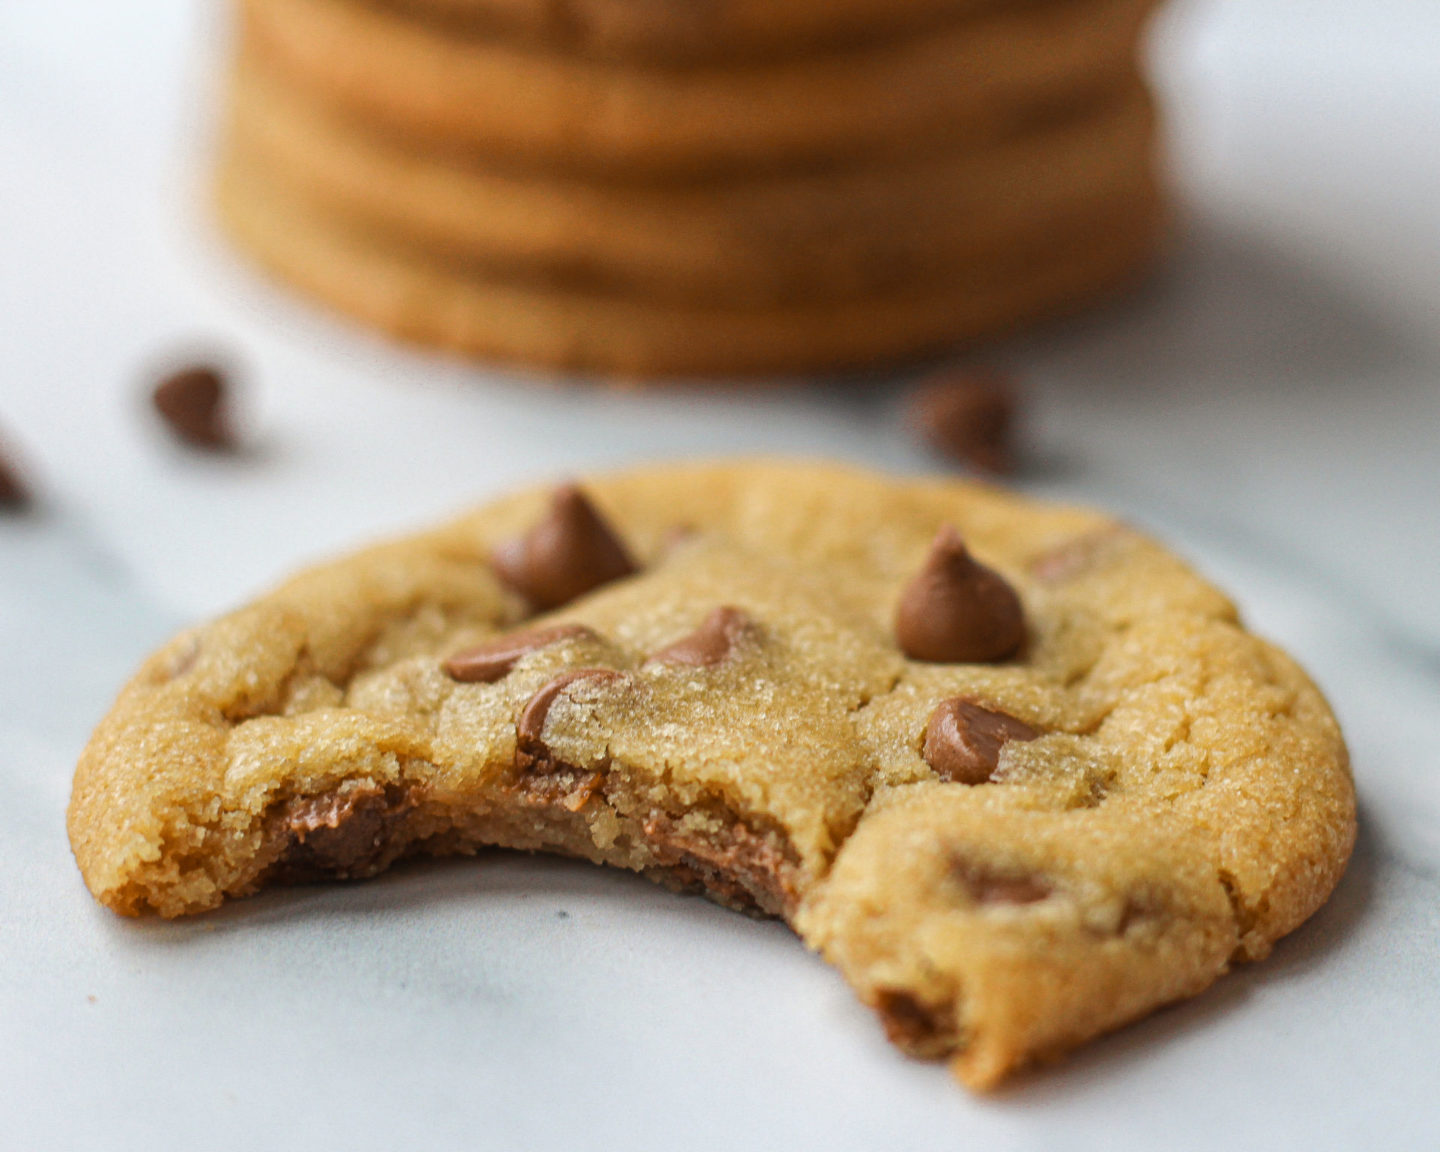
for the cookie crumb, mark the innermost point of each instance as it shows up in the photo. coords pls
(968, 416)
(194, 402)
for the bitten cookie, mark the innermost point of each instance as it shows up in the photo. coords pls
(1014, 769)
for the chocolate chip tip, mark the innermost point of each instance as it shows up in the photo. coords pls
(956, 610)
(572, 550)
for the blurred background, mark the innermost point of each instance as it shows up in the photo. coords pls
(1277, 373)
(1268, 398)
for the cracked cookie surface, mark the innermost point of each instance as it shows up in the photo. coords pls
(1002, 858)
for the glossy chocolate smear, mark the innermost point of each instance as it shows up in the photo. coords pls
(342, 833)
(739, 866)
(963, 740)
(711, 643)
(956, 610)
(192, 403)
(531, 753)
(567, 554)
(488, 662)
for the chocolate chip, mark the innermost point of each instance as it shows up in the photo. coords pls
(489, 661)
(956, 610)
(14, 493)
(968, 416)
(999, 886)
(569, 553)
(193, 404)
(531, 753)
(963, 740)
(710, 643)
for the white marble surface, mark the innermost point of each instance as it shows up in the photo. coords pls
(1271, 404)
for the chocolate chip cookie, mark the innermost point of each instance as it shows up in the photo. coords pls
(1014, 769)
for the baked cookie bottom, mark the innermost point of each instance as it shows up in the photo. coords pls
(845, 232)
(735, 716)
(411, 294)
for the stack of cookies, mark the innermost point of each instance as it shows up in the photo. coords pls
(693, 187)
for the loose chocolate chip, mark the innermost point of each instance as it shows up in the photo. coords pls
(489, 661)
(963, 740)
(566, 555)
(968, 416)
(14, 493)
(193, 404)
(996, 886)
(531, 754)
(710, 643)
(956, 610)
